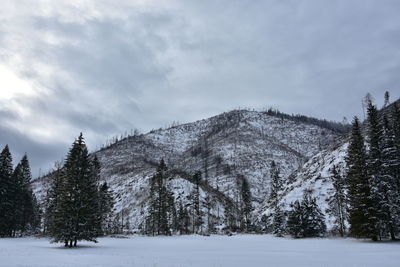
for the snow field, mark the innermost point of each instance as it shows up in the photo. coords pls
(186, 251)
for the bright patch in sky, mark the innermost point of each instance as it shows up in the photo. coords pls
(12, 85)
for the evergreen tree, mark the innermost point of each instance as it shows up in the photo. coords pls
(37, 216)
(25, 204)
(337, 204)
(374, 134)
(396, 130)
(264, 223)
(361, 208)
(75, 214)
(276, 183)
(209, 205)
(197, 214)
(106, 208)
(313, 221)
(246, 204)
(52, 200)
(395, 126)
(294, 222)
(306, 219)
(230, 218)
(171, 213)
(183, 220)
(6, 193)
(387, 97)
(278, 222)
(276, 186)
(161, 209)
(17, 200)
(389, 202)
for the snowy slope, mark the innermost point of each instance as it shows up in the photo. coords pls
(226, 148)
(315, 178)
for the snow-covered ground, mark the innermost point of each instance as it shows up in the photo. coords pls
(241, 250)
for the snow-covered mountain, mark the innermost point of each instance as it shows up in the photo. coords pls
(315, 178)
(227, 148)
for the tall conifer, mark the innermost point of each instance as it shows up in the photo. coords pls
(337, 204)
(6, 193)
(359, 190)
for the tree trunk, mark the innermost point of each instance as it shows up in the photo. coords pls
(70, 243)
(66, 243)
(75, 242)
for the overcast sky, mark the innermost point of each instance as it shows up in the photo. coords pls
(106, 67)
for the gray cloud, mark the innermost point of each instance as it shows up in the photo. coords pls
(42, 156)
(104, 67)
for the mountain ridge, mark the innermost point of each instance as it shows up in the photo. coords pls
(227, 148)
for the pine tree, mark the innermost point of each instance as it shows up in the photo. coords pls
(246, 204)
(276, 186)
(389, 203)
(294, 222)
(52, 200)
(337, 204)
(387, 97)
(160, 215)
(37, 216)
(306, 219)
(278, 222)
(183, 220)
(395, 126)
(276, 183)
(197, 213)
(6, 193)
(29, 206)
(209, 205)
(313, 221)
(172, 215)
(17, 200)
(75, 211)
(106, 208)
(264, 223)
(359, 191)
(374, 164)
(230, 218)
(396, 129)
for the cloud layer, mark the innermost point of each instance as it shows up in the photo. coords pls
(105, 67)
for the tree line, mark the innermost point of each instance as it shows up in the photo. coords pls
(78, 206)
(339, 127)
(304, 219)
(19, 210)
(167, 215)
(367, 196)
(373, 173)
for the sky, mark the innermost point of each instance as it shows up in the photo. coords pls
(107, 67)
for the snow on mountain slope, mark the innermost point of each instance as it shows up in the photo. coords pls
(227, 148)
(314, 178)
